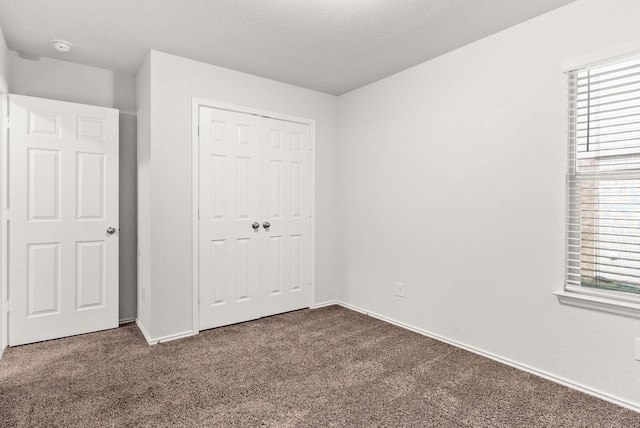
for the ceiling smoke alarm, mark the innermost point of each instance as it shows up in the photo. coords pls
(61, 45)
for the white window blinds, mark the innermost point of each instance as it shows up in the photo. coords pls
(603, 232)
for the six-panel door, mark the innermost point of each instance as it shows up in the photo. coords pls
(229, 252)
(63, 162)
(286, 206)
(253, 172)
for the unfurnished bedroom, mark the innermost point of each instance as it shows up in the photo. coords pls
(355, 213)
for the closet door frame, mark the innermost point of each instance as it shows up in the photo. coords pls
(195, 192)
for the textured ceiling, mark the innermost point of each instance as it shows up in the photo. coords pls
(332, 46)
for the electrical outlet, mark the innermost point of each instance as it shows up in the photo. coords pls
(399, 289)
(638, 348)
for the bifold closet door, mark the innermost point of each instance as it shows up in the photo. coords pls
(254, 217)
(63, 226)
(286, 202)
(229, 259)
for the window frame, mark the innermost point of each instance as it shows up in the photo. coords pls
(617, 302)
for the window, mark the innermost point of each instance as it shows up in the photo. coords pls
(603, 183)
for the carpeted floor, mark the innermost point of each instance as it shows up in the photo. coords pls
(320, 368)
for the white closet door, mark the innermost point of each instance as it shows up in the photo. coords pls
(286, 207)
(254, 217)
(63, 205)
(229, 251)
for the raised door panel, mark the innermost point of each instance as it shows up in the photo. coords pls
(296, 262)
(295, 189)
(43, 279)
(43, 188)
(90, 274)
(44, 123)
(90, 186)
(218, 187)
(275, 189)
(91, 128)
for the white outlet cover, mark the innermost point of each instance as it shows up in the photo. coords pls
(638, 348)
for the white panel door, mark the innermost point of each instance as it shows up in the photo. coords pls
(254, 218)
(63, 200)
(229, 259)
(286, 203)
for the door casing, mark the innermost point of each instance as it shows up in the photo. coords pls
(195, 192)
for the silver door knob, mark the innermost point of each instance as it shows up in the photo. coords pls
(266, 225)
(111, 231)
(255, 225)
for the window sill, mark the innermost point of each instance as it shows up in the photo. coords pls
(600, 301)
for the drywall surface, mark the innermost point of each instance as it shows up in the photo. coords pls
(452, 182)
(65, 81)
(4, 86)
(4, 64)
(143, 96)
(175, 82)
(128, 259)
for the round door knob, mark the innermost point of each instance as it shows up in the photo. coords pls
(255, 225)
(266, 225)
(111, 230)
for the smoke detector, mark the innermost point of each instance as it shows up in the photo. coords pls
(61, 45)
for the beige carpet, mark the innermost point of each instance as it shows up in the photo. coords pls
(320, 368)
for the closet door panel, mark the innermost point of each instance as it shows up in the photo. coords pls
(229, 185)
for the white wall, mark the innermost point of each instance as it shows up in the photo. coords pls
(61, 80)
(128, 198)
(174, 82)
(66, 81)
(4, 88)
(4, 63)
(452, 181)
(143, 96)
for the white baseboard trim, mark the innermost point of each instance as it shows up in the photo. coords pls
(144, 333)
(175, 336)
(357, 309)
(324, 304)
(519, 366)
(2, 352)
(126, 320)
(163, 339)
